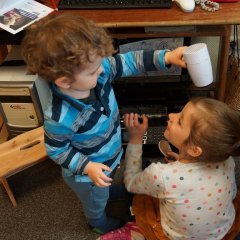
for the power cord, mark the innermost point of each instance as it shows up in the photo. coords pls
(207, 5)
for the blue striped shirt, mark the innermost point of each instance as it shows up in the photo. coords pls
(77, 132)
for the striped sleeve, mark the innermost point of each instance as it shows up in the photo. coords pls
(59, 148)
(134, 63)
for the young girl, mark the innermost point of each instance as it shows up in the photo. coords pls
(196, 192)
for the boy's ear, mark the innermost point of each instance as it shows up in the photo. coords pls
(194, 151)
(63, 82)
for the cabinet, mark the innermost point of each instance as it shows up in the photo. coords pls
(222, 31)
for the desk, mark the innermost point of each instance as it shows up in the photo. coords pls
(130, 23)
(229, 13)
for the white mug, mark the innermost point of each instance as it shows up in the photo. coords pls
(199, 64)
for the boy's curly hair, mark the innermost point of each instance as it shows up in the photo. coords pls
(58, 45)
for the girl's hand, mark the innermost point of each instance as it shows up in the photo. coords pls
(136, 130)
(95, 172)
(175, 57)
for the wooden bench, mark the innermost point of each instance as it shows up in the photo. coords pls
(19, 153)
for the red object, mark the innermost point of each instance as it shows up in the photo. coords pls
(54, 5)
(223, 1)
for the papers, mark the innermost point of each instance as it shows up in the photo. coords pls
(15, 15)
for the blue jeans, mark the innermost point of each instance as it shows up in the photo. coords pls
(94, 200)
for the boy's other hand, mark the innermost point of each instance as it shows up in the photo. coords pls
(136, 130)
(95, 172)
(175, 57)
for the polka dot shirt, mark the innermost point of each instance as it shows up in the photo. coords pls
(195, 198)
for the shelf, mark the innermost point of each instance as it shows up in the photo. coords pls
(139, 32)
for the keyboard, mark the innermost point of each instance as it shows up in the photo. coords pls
(113, 4)
(157, 121)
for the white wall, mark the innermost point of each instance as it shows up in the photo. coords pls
(213, 47)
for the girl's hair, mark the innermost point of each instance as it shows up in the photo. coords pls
(216, 129)
(58, 45)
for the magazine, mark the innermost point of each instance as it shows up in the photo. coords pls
(15, 15)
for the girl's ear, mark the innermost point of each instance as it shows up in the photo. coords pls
(194, 151)
(63, 82)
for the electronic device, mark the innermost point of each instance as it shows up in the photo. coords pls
(199, 64)
(152, 136)
(113, 4)
(23, 98)
(157, 122)
(186, 5)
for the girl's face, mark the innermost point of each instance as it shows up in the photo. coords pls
(179, 126)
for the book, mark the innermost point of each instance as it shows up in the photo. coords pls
(15, 15)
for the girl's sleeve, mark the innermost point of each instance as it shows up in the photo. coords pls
(148, 181)
(134, 63)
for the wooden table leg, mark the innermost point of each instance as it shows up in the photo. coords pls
(223, 63)
(9, 191)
